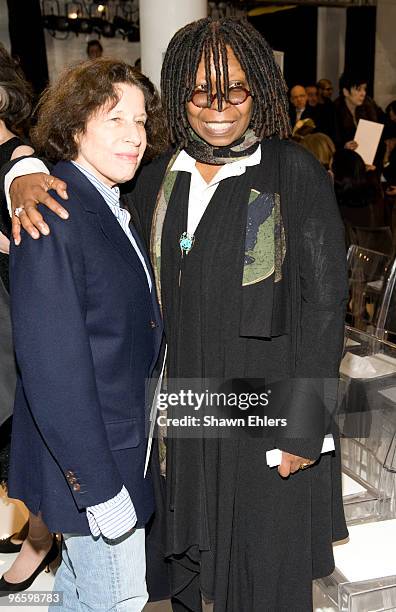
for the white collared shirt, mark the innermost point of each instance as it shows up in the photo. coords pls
(202, 192)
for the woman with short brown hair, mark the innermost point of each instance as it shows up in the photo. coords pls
(78, 439)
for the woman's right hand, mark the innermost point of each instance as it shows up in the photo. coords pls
(352, 145)
(28, 191)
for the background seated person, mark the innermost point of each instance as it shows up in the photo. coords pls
(358, 192)
(321, 146)
(299, 107)
(325, 91)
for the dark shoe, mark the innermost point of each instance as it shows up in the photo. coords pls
(6, 546)
(15, 587)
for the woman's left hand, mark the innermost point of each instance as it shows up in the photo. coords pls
(293, 463)
(4, 244)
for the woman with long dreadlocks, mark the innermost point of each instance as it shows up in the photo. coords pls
(248, 251)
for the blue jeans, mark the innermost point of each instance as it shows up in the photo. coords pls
(100, 574)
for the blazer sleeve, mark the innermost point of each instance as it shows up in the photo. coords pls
(320, 330)
(49, 305)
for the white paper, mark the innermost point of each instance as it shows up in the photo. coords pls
(274, 456)
(367, 136)
(370, 552)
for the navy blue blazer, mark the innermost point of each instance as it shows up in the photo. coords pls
(87, 333)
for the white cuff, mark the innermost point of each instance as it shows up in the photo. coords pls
(93, 525)
(114, 517)
(24, 166)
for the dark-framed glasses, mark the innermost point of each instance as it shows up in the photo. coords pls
(235, 96)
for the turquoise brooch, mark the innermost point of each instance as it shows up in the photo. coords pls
(186, 242)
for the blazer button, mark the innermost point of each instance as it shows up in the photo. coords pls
(153, 324)
(76, 487)
(69, 474)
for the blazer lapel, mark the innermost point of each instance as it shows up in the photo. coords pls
(154, 301)
(93, 202)
(120, 241)
(143, 251)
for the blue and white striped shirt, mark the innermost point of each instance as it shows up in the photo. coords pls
(116, 516)
(112, 518)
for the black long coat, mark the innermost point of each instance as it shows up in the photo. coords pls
(252, 540)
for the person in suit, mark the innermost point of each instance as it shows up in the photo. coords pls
(87, 332)
(299, 107)
(325, 90)
(312, 95)
(325, 108)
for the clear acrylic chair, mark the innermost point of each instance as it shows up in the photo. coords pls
(367, 273)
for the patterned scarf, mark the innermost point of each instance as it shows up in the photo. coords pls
(205, 153)
(158, 222)
(275, 248)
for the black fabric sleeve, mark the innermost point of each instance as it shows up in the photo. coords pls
(389, 171)
(323, 292)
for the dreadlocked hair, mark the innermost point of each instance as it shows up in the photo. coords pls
(209, 38)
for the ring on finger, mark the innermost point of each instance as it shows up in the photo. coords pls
(18, 211)
(49, 182)
(305, 465)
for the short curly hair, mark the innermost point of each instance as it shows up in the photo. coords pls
(15, 92)
(65, 107)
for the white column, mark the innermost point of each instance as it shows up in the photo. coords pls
(331, 44)
(4, 36)
(159, 20)
(385, 53)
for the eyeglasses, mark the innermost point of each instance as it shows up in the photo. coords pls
(235, 96)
